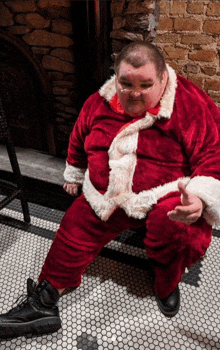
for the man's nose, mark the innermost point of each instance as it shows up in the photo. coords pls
(135, 92)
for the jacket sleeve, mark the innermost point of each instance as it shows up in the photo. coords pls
(199, 130)
(76, 162)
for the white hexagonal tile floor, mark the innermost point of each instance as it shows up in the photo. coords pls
(115, 307)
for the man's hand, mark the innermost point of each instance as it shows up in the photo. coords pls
(71, 188)
(190, 210)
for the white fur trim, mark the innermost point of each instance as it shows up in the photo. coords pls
(168, 99)
(208, 190)
(108, 90)
(123, 157)
(135, 205)
(99, 203)
(73, 175)
(138, 205)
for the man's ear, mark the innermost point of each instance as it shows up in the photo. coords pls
(164, 76)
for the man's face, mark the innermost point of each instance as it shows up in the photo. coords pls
(140, 88)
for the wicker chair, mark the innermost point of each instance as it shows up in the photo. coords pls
(13, 190)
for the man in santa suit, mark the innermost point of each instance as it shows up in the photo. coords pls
(146, 151)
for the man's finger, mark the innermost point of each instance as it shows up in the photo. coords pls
(176, 215)
(186, 210)
(182, 189)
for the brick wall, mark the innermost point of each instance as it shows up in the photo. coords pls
(45, 26)
(188, 34)
(133, 20)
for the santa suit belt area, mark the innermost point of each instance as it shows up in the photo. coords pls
(135, 205)
(171, 245)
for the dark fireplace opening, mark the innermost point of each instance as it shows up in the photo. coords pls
(92, 25)
(22, 90)
(51, 60)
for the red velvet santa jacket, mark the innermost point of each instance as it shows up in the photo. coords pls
(131, 163)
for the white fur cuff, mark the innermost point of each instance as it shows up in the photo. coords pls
(208, 190)
(73, 174)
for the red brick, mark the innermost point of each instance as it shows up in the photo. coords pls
(48, 3)
(43, 38)
(58, 12)
(54, 63)
(6, 17)
(167, 38)
(62, 26)
(21, 18)
(203, 55)
(195, 7)
(212, 26)
(22, 6)
(35, 20)
(165, 23)
(209, 70)
(196, 80)
(213, 8)
(178, 7)
(186, 24)
(18, 30)
(63, 54)
(164, 7)
(175, 53)
(196, 39)
(212, 84)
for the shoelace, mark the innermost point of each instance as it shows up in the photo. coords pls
(24, 298)
(21, 301)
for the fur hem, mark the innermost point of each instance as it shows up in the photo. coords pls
(207, 189)
(99, 203)
(135, 205)
(108, 90)
(73, 175)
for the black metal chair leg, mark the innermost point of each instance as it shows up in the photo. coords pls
(25, 208)
(17, 188)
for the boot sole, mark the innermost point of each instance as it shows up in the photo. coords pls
(40, 326)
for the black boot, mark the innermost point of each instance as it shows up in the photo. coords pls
(37, 313)
(170, 306)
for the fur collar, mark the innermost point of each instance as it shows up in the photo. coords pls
(108, 90)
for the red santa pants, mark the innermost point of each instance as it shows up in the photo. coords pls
(81, 235)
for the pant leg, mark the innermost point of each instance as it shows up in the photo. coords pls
(173, 245)
(79, 239)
